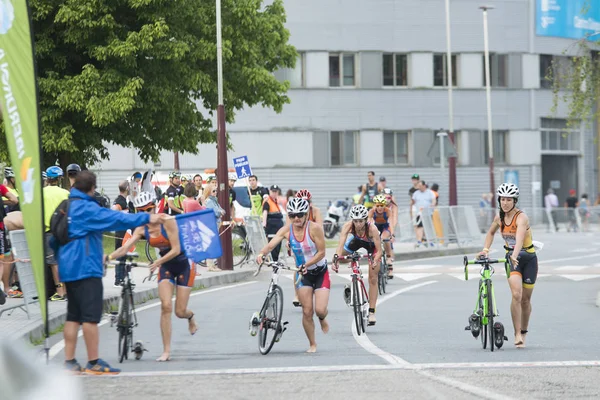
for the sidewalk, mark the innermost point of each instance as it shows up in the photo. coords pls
(18, 326)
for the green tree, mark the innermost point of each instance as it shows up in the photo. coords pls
(130, 72)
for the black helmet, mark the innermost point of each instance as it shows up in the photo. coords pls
(73, 169)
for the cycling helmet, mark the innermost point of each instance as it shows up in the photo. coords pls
(44, 175)
(507, 190)
(387, 191)
(54, 172)
(175, 174)
(232, 176)
(73, 168)
(380, 199)
(359, 212)
(144, 199)
(9, 173)
(304, 194)
(297, 205)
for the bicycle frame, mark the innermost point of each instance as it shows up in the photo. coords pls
(486, 273)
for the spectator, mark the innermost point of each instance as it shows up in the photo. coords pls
(435, 189)
(232, 178)
(584, 211)
(11, 199)
(257, 195)
(210, 200)
(72, 171)
(357, 196)
(272, 217)
(486, 211)
(550, 202)
(198, 182)
(423, 200)
(81, 268)
(120, 204)
(191, 202)
(571, 203)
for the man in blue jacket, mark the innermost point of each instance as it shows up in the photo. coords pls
(81, 268)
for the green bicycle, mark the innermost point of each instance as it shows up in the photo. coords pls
(482, 319)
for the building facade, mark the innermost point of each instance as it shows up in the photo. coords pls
(370, 92)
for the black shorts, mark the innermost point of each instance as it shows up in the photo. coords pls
(50, 259)
(317, 278)
(527, 268)
(85, 300)
(353, 244)
(4, 243)
(178, 271)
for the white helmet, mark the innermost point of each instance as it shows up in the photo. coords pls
(143, 199)
(507, 190)
(232, 176)
(297, 205)
(359, 212)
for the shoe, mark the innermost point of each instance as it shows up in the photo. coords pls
(57, 297)
(118, 283)
(474, 325)
(73, 368)
(390, 273)
(15, 294)
(347, 294)
(372, 319)
(498, 334)
(2, 297)
(101, 368)
(254, 322)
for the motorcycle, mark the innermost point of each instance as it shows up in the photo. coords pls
(337, 214)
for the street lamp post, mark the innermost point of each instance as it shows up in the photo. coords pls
(226, 261)
(452, 157)
(488, 95)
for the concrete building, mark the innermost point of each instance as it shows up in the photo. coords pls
(369, 92)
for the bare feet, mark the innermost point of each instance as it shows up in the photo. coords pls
(519, 340)
(312, 349)
(164, 357)
(193, 327)
(324, 325)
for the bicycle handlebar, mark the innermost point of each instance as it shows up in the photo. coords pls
(129, 264)
(354, 256)
(280, 265)
(482, 261)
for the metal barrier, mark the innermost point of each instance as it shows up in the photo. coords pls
(24, 270)
(255, 233)
(560, 218)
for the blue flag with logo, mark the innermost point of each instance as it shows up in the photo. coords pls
(199, 235)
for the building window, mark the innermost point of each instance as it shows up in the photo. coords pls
(498, 70)
(344, 148)
(500, 138)
(555, 69)
(342, 69)
(556, 136)
(440, 70)
(395, 67)
(294, 75)
(395, 147)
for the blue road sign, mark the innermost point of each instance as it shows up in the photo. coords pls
(242, 167)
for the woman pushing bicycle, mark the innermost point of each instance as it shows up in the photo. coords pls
(516, 232)
(174, 269)
(307, 242)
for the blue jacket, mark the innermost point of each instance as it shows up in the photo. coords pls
(81, 258)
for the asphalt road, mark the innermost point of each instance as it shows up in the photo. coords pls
(418, 349)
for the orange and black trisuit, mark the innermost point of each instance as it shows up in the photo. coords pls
(381, 220)
(178, 270)
(274, 222)
(528, 264)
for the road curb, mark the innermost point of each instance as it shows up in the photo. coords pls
(56, 320)
(417, 254)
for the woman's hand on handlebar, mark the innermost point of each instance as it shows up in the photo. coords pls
(260, 258)
(335, 266)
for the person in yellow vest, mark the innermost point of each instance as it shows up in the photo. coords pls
(257, 195)
(272, 217)
(11, 185)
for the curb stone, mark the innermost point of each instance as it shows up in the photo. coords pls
(139, 297)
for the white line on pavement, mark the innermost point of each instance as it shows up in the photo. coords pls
(465, 387)
(569, 258)
(59, 346)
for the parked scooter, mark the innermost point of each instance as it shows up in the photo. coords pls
(337, 214)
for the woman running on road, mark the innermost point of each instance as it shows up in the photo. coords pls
(174, 269)
(516, 232)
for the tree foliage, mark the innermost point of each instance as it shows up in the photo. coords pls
(130, 72)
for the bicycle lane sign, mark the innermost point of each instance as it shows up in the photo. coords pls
(242, 167)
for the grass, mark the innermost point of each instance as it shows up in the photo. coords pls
(330, 243)
(38, 342)
(108, 244)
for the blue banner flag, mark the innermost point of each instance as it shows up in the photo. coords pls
(199, 235)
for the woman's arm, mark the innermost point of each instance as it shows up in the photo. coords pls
(138, 234)
(173, 234)
(278, 238)
(318, 215)
(343, 237)
(489, 237)
(522, 226)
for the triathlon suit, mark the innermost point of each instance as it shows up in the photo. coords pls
(355, 242)
(178, 271)
(317, 276)
(371, 192)
(381, 220)
(311, 215)
(528, 263)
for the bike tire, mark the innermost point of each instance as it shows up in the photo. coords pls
(482, 311)
(364, 301)
(490, 311)
(241, 247)
(124, 322)
(357, 306)
(274, 302)
(328, 229)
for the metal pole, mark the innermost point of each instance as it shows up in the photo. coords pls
(488, 95)
(452, 190)
(226, 261)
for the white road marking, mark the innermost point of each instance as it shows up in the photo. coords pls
(423, 266)
(579, 277)
(571, 268)
(508, 364)
(59, 346)
(591, 255)
(414, 276)
(465, 387)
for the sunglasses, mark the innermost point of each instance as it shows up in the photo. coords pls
(294, 215)
(362, 221)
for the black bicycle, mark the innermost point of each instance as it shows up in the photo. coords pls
(126, 318)
(268, 322)
(383, 277)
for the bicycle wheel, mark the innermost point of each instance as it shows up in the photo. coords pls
(482, 312)
(124, 326)
(241, 249)
(270, 320)
(364, 301)
(357, 306)
(490, 312)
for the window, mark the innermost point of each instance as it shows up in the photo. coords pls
(344, 148)
(440, 70)
(395, 67)
(499, 138)
(498, 70)
(294, 75)
(556, 136)
(555, 68)
(342, 69)
(395, 147)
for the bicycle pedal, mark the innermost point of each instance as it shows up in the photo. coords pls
(285, 323)
(467, 328)
(505, 337)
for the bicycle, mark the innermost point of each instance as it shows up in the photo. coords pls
(382, 278)
(126, 318)
(262, 322)
(358, 298)
(482, 319)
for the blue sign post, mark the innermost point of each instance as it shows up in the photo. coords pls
(242, 167)
(511, 176)
(571, 19)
